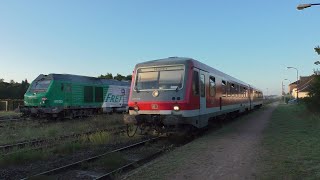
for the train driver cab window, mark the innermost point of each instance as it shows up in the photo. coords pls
(212, 85)
(195, 83)
(203, 85)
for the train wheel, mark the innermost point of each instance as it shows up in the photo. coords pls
(131, 129)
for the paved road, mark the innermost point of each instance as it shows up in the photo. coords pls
(231, 154)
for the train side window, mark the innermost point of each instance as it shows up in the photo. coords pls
(237, 90)
(244, 92)
(232, 90)
(195, 83)
(62, 87)
(212, 86)
(88, 94)
(203, 85)
(99, 94)
(224, 88)
(228, 89)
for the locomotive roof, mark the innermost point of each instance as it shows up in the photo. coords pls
(83, 79)
(186, 60)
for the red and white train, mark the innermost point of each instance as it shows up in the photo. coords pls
(183, 92)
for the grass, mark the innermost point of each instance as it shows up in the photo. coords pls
(292, 144)
(9, 114)
(20, 158)
(11, 132)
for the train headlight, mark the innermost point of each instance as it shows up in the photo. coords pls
(176, 108)
(136, 108)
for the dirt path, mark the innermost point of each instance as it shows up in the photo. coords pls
(231, 154)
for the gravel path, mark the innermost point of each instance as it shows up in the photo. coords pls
(231, 153)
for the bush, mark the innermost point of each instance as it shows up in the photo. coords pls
(313, 101)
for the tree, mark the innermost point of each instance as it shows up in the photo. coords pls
(128, 77)
(313, 101)
(119, 77)
(107, 76)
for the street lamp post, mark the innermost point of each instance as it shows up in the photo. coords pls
(303, 6)
(283, 94)
(297, 80)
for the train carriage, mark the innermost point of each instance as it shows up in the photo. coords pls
(175, 92)
(65, 95)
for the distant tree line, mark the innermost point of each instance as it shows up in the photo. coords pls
(118, 77)
(13, 90)
(313, 101)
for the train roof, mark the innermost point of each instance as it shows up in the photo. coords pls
(198, 64)
(83, 79)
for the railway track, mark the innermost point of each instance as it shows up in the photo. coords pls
(8, 119)
(67, 167)
(5, 148)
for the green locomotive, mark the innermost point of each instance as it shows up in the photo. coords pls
(68, 96)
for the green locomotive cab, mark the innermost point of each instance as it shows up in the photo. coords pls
(36, 100)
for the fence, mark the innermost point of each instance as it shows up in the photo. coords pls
(10, 104)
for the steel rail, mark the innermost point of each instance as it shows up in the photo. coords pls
(59, 169)
(132, 165)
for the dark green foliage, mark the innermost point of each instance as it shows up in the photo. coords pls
(118, 77)
(128, 78)
(107, 76)
(22, 157)
(13, 90)
(313, 101)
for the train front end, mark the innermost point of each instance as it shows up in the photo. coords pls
(158, 96)
(36, 99)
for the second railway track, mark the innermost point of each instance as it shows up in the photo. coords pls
(65, 168)
(5, 148)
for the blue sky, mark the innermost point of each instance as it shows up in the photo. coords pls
(251, 40)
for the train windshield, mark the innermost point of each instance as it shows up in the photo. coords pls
(165, 78)
(40, 86)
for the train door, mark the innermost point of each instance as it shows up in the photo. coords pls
(203, 104)
(202, 92)
(249, 95)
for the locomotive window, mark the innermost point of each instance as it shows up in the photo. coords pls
(40, 86)
(99, 94)
(212, 84)
(88, 94)
(202, 85)
(195, 83)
